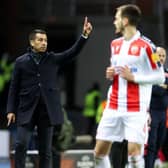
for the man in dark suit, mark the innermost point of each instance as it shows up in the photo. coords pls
(34, 97)
(157, 109)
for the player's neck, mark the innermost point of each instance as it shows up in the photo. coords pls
(129, 32)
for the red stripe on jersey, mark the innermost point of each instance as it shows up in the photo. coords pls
(134, 49)
(133, 97)
(149, 52)
(114, 94)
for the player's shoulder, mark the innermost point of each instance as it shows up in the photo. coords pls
(147, 41)
(146, 38)
(117, 41)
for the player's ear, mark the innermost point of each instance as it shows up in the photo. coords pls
(125, 21)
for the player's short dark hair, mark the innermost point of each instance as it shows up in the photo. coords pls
(33, 33)
(132, 12)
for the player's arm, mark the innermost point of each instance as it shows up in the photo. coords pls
(110, 72)
(126, 73)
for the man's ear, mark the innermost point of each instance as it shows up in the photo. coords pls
(125, 21)
(32, 43)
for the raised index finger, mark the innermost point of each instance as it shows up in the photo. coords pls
(9, 121)
(86, 20)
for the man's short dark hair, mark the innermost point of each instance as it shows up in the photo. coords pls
(34, 32)
(132, 12)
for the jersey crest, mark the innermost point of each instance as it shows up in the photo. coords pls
(134, 50)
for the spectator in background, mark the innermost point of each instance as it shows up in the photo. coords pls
(158, 107)
(34, 96)
(134, 67)
(6, 67)
(5, 71)
(92, 101)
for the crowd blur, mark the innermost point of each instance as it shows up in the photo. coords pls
(6, 67)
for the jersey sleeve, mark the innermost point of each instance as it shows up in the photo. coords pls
(157, 77)
(152, 57)
(156, 71)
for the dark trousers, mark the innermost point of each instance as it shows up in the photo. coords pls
(91, 126)
(45, 135)
(165, 146)
(56, 154)
(119, 154)
(156, 137)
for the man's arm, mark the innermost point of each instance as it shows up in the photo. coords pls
(69, 54)
(110, 72)
(157, 77)
(13, 95)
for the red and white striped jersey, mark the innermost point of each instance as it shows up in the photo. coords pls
(138, 55)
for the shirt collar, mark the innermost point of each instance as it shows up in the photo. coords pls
(135, 37)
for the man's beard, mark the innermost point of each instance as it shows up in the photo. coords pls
(119, 31)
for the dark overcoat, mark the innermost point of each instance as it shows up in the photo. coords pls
(30, 80)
